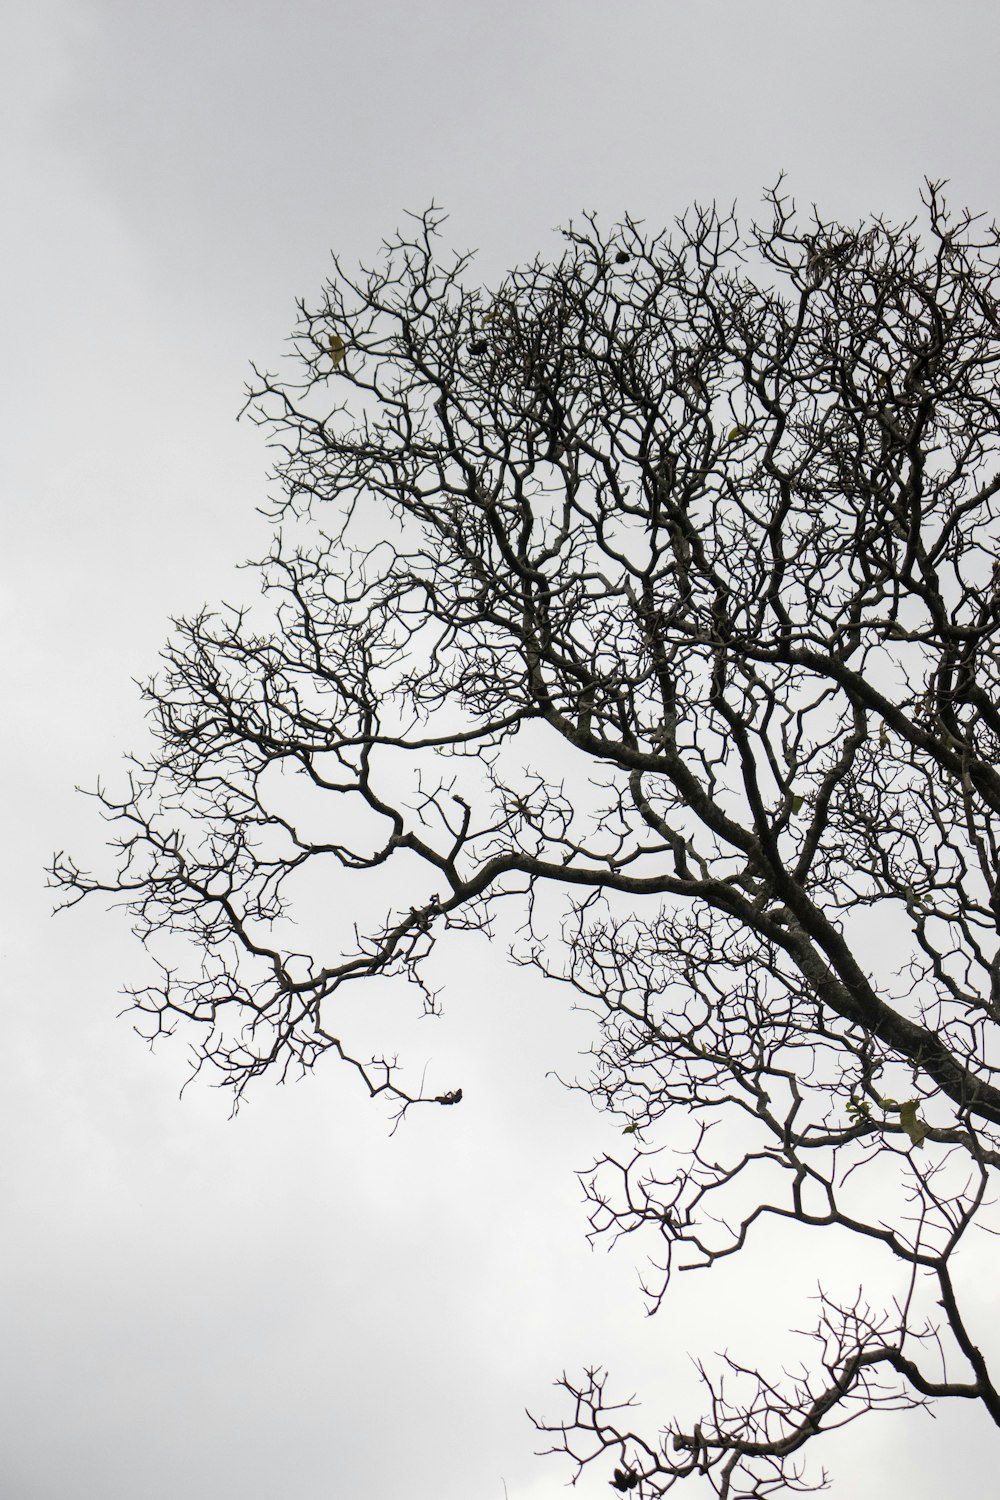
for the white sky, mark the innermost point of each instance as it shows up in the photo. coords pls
(290, 1304)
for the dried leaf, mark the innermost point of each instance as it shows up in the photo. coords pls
(911, 1123)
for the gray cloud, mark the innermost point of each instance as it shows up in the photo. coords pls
(290, 1303)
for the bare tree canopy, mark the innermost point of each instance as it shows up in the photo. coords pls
(655, 595)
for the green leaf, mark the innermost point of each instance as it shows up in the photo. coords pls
(798, 801)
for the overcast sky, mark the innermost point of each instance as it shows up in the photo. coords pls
(291, 1304)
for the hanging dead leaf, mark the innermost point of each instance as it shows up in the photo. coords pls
(337, 347)
(911, 1122)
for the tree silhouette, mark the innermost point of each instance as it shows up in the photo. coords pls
(655, 596)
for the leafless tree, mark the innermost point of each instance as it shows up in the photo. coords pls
(656, 595)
